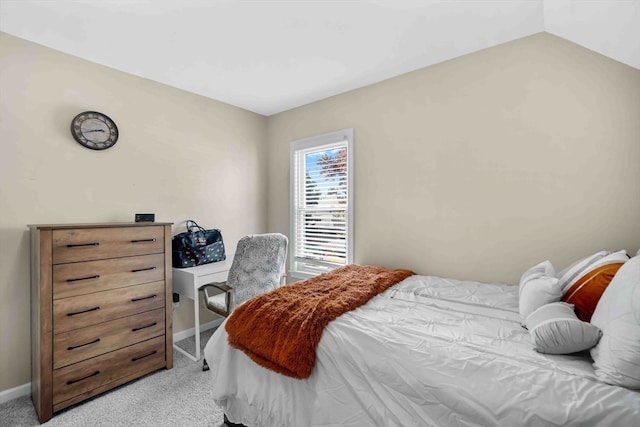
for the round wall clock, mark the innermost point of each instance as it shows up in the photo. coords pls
(94, 130)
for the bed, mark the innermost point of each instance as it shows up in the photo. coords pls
(427, 351)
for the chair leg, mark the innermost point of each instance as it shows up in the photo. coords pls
(205, 366)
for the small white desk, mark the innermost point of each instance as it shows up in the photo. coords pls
(187, 281)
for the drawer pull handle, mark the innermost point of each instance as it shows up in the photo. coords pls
(78, 245)
(135, 359)
(83, 378)
(143, 269)
(97, 276)
(145, 240)
(144, 327)
(82, 345)
(144, 298)
(83, 311)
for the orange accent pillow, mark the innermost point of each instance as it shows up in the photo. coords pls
(585, 293)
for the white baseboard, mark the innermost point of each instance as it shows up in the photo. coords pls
(25, 389)
(192, 331)
(14, 393)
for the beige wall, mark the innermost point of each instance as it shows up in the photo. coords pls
(179, 155)
(482, 166)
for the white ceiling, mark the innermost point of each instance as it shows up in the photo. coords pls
(273, 55)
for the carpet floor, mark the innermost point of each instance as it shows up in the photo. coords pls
(177, 397)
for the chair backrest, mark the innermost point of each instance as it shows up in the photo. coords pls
(258, 266)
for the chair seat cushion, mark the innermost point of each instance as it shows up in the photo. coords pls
(217, 302)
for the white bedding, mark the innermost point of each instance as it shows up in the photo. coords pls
(426, 352)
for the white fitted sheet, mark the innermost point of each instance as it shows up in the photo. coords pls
(427, 352)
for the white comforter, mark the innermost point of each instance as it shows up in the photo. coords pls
(427, 352)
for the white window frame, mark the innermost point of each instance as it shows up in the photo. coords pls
(300, 268)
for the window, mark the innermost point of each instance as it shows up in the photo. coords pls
(321, 203)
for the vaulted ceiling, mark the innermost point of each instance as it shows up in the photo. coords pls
(273, 55)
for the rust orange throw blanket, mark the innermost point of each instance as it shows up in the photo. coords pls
(281, 329)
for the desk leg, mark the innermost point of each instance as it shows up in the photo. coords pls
(196, 326)
(196, 316)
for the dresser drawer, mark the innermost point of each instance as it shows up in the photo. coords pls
(85, 376)
(93, 276)
(90, 309)
(80, 344)
(86, 244)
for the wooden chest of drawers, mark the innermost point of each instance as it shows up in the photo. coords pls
(101, 309)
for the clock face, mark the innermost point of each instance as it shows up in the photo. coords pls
(94, 130)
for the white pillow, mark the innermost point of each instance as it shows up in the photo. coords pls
(556, 329)
(569, 274)
(583, 284)
(617, 355)
(538, 286)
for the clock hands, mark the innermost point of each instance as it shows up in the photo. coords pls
(93, 130)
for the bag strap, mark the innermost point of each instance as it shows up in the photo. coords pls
(192, 224)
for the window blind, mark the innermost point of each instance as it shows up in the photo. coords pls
(321, 206)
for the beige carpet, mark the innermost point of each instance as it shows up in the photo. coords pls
(176, 397)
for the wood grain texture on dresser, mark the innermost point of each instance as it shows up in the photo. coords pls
(101, 309)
